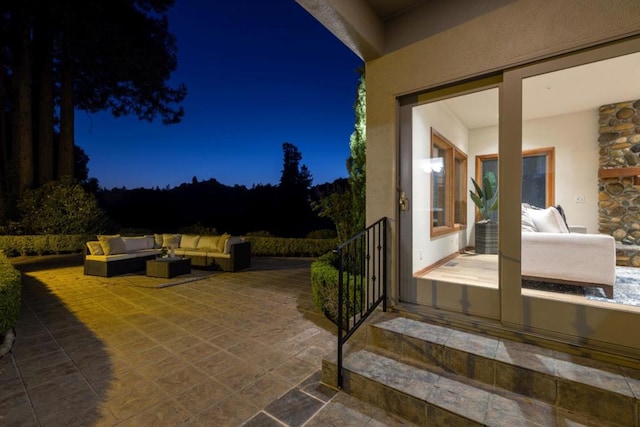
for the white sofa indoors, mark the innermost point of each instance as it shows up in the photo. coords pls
(554, 252)
(115, 255)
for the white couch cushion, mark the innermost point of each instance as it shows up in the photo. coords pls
(548, 220)
(231, 241)
(189, 241)
(151, 241)
(588, 258)
(133, 244)
(527, 221)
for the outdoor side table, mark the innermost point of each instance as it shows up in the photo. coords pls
(168, 267)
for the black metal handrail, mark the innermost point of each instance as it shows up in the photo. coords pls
(362, 282)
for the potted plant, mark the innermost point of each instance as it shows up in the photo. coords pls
(486, 200)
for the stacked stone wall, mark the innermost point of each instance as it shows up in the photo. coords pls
(619, 190)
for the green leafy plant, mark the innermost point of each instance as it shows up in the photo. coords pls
(486, 198)
(325, 279)
(10, 295)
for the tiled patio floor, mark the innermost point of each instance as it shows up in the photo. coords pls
(230, 349)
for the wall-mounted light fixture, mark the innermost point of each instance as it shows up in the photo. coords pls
(434, 164)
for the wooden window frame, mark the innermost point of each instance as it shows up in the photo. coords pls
(452, 154)
(550, 156)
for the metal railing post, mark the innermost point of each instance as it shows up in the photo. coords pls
(366, 270)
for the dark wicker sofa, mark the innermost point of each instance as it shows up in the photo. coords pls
(232, 254)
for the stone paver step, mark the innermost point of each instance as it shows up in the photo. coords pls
(427, 398)
(596, 389)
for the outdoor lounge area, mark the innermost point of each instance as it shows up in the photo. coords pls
(222, 349)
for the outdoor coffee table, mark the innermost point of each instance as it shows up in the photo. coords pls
(168, 267)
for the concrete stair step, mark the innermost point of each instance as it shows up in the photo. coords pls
(548, 378)
(424, 397)
(429, 374)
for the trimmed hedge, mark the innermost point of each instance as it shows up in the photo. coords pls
(292, 247)
(43, 244)
(260, 246)
(10, 294)
(324, 287)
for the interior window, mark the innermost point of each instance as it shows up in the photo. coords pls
(537, 175)
(448, 167)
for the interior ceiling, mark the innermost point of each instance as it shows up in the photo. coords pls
(582, 88)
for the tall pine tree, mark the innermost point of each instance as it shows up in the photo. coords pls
(347, 208)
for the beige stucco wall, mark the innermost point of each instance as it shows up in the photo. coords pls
(518, 33)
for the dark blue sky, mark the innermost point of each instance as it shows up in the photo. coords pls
(258, 73)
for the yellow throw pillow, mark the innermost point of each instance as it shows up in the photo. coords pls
(171, 240)
(112, 245)
(95, 248)
(208, 243)
(223, 241)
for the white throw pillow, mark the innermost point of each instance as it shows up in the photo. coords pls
(527, 221)
(189, 241)
(548, 220)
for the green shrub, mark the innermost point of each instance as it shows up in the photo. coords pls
(44, 244)
(61, 207)
(10, 294)
(322, 234)
(134, 231)
(199, 229)
(324, 287)
(290, 247)
(260, 233)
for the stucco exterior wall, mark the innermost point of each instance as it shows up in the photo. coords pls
(518, 33)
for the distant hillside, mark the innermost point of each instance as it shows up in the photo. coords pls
(234, 209)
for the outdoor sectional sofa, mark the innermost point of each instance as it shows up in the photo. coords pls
(554, 252)
(116, 255)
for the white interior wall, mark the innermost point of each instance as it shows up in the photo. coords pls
(575, 138)
(427, 251)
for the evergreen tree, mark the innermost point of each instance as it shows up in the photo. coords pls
(357, 160)
(294, 189)
(347, 208)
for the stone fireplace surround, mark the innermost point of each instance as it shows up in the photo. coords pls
(619, 178)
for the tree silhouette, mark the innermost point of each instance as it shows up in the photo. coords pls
(295, 182)
(59, 56)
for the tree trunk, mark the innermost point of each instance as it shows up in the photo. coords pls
(65, 146)
(4, 150)
(44, 119)
(23, 139)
